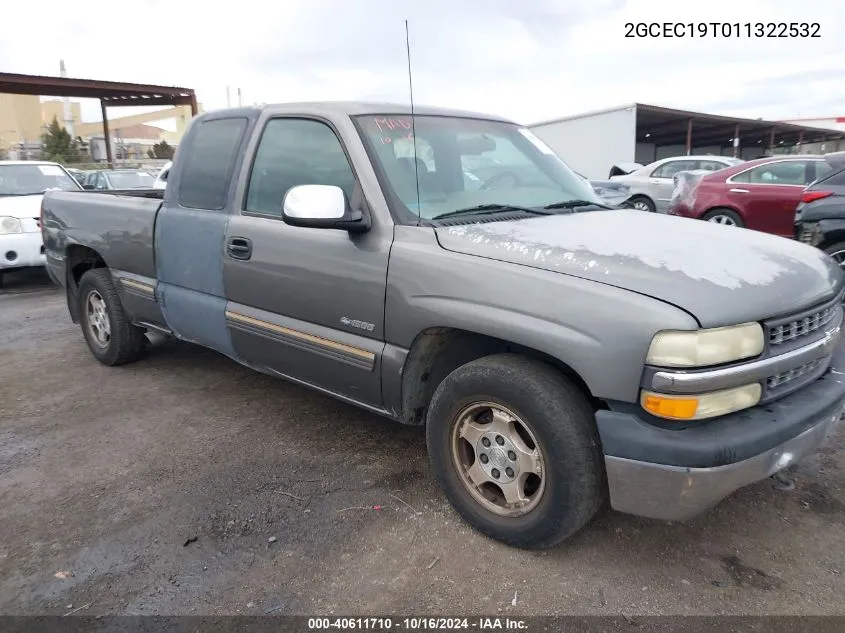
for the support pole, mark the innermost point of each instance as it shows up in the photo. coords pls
(689, 137)
(800, 140)
(736, 140)
(109, 157)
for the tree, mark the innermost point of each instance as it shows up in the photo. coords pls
(58, 145)
(162, 150)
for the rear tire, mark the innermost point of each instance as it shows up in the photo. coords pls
(728, 217)
(642, 203)
(112, 339)
(486, 415)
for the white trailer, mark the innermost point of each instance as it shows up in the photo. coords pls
(592, 143)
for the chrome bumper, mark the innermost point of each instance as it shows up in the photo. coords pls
(676, 493)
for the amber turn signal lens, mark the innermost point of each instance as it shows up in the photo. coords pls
(702, 405)
(668, 407)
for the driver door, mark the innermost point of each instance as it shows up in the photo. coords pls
(306, 303)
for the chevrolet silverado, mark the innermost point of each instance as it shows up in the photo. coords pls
(559, 353)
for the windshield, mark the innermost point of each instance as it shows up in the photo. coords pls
(131, 179)
(23, 180)
(463, 163)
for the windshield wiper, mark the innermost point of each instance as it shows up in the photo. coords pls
(31, 193)
(487, 209)
(572, 204)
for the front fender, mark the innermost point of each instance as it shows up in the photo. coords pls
(600, 331)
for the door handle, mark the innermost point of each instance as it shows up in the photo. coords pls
(239, 248)
(739, 191)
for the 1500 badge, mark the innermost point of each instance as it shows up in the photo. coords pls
(361, 325)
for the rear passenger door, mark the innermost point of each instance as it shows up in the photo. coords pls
(306, 303)
(767, 195)
(190, 230)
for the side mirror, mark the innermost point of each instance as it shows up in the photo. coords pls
(88, 186)
(322, 207)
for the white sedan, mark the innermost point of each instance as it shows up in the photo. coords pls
(22, 186)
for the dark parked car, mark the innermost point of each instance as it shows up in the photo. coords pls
(108, 179)
(820, 216)
(759, 194)
(77, 174)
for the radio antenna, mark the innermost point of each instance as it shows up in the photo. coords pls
(413, 122)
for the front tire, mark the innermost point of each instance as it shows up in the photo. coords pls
(726, 217)
(515, 448)
(641, 203)
(110, 336)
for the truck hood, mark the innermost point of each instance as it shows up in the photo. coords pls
(21, 207)
(721, 275)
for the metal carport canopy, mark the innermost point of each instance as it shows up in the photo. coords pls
(667, 126)
(110, 93)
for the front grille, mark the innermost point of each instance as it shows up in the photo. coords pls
(784, 377)
(799, 327)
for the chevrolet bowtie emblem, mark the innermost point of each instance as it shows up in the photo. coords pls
(831, 335)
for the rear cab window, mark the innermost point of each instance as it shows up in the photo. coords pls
(209, 164)
(833, 178)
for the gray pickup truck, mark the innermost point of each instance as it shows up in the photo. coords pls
(558, 352)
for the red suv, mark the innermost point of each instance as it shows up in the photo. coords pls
(759, 194)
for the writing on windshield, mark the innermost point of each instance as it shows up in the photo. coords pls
(392, 129)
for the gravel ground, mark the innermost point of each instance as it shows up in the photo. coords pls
(186, 484)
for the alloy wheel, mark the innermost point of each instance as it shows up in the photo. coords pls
(498, 459)
(97, 319)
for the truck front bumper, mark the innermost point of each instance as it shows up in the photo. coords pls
(21, 250)
(671, 474)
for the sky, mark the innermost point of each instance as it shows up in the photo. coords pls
(528, 60)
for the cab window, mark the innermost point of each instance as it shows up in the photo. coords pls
(295, 152)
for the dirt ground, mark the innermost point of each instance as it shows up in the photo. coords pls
(186, 484)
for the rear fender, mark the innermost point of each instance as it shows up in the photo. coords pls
(78, 260)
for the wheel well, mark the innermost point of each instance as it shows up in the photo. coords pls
(437, 352)
(832, 238)
(80, 259)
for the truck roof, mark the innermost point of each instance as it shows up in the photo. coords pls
(355, 108)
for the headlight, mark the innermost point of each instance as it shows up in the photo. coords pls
(697, 407)
(701, 348)
(10, 225)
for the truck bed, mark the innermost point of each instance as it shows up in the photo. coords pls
(118, 224)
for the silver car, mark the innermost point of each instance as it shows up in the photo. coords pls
(652, 185)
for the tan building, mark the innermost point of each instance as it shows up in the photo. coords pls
(23, 119)
(55, 109)
(20, 120)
